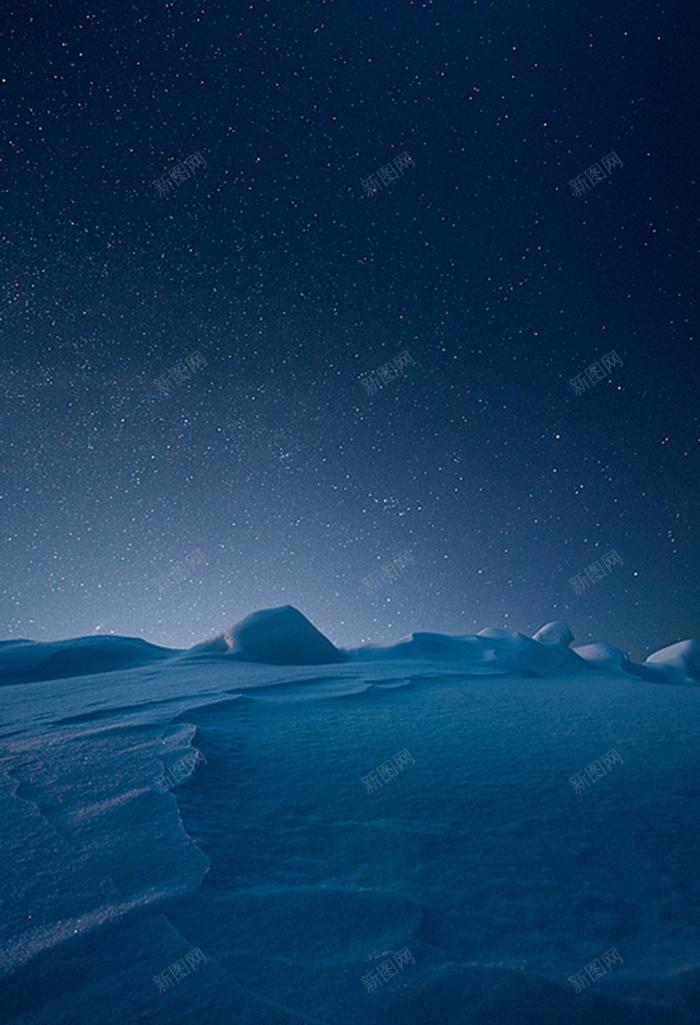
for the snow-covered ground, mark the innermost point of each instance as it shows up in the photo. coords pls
(267, 829)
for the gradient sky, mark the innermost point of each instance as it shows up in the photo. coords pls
(272, 262)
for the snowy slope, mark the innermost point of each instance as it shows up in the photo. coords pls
(422, 806)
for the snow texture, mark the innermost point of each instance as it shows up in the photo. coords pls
(271, 823)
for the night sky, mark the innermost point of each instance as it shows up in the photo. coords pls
(279, 284)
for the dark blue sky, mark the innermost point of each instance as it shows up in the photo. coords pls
(271, 459)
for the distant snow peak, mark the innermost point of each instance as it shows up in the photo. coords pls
(279, 636)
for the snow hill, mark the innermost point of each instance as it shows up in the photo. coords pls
(284, 636)
(281, 636)
(24, 661)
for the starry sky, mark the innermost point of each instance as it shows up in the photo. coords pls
(194, 422)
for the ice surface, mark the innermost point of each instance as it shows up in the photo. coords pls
(506, 809)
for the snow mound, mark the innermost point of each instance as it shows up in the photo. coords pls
(604, 656)
(29, 661)
(555, 633)
(531, 657)
(490, 652)
(281, 636)
(683, 656)
(465, 650)
(496, 652)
